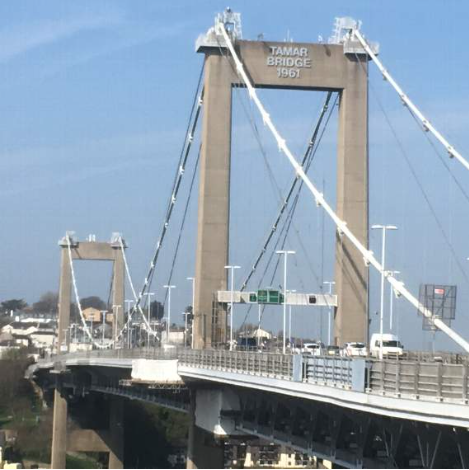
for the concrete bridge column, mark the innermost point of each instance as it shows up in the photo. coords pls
(351, 274)
(110, 440)
(116, 428)
(214, 201)
(118, 283)
(59, 430)
(203, 451)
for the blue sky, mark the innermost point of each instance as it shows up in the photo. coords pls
(95, 98)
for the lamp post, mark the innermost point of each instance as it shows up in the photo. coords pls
(285, 254)
(185, 327)
(149, 294)
(168, 326)
(129, 306)
(392, 273)
(103, 313)
(231, 268)
(384, 228)
(193, 309)
(329, 337)
(289, 319)
(259, 314)
(115, 309)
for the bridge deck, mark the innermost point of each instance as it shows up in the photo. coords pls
(431, 392)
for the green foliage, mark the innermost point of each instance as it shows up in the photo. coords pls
(94, 302)
(150, 433)
(21, 410)
(48, 303)
(75, 461)
(20, 354)
(13, 304)
(15, 390)
(157, 310)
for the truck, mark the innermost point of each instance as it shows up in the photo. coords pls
(392, 347)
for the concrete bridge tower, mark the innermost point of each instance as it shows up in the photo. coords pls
(341, 67)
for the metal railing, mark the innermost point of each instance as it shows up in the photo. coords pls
(329, 371)
(252, 363)
(420, 380)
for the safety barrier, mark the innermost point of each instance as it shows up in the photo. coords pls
(331, 371)
(424, 379)
(420, 380)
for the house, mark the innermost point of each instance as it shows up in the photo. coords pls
(91, 314)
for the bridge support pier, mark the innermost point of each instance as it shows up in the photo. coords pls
(203, 450)
(109, 440)
(59, 430)
(116, 428)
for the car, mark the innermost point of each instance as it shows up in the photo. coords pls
(247, 344)
(333, 350)
(355, 349)
(314, 349)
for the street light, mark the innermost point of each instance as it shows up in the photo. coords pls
(259, 314)
(184, 314)
(289, 318)
(383, 257)
(391, 273)
(149, 294)
(169, 311)
(193, 309)
(103, 313)
(115, 308)
(129, 305)
(232, 268)
(329, 338)
(285, 254)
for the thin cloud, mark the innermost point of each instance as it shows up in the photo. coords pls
(20, 39)
(126, 38)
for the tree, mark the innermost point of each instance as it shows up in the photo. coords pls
(94, 302)
(156, 310)
(47, 303)
(13, 304)
(190, 313)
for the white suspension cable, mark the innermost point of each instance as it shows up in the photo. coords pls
(320, 201)
(427, 125)
(134, 293)
(77, 299)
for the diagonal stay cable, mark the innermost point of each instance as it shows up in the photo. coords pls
(309, 156)
(306, 157)
(195, 113)
(181, 228)
(341, 225)
(419, 184)
(270, 173)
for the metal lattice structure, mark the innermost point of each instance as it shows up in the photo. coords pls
(441, 301)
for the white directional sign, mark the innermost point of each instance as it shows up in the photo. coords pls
(275, 298)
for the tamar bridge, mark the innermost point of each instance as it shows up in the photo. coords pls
(354, 412)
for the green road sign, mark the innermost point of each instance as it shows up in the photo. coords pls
(267, 296)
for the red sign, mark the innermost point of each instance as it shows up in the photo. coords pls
(438, 291)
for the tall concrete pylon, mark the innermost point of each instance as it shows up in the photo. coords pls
(289, 66)
(90, 251)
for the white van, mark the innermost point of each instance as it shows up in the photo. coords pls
(392, 347)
